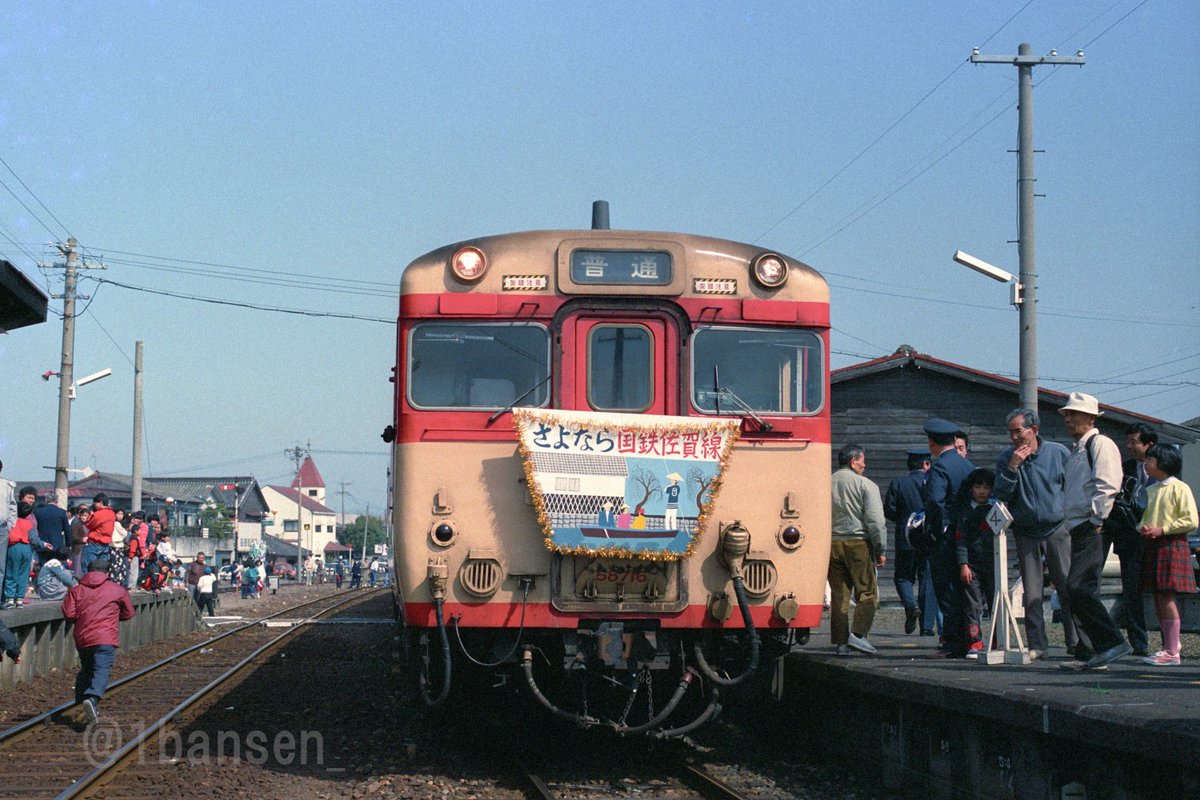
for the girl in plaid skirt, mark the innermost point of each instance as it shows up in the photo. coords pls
(1166, 568)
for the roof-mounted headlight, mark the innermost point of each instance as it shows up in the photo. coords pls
(469, 264)
(769, 270)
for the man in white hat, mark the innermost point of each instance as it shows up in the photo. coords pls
(1092, 481)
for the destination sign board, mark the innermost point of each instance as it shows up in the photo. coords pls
(621, 267)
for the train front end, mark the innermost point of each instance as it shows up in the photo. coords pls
(612, 466)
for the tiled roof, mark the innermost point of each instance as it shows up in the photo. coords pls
(905, 356)
(309, 475)
(309, 503)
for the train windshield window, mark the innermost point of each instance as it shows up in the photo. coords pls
(769, 370)
(620, 368)
(478, 365)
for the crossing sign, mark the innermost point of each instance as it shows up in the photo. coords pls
(999, 518)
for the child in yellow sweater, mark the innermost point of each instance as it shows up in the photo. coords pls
(1166, 568)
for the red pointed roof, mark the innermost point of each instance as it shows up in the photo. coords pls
(309, 475)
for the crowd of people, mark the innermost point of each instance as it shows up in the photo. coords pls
(1069, 508)
(91, 556)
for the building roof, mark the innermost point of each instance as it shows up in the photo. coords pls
(243, 492)
(309, 503)
(906, 357)
(335, 547)
(309, 476)
(21, 301)
(278, 547)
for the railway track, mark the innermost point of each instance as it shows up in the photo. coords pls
(682, 782)
(57, 754)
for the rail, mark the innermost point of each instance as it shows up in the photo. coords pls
(183, 682)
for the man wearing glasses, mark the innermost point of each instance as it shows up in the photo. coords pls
(1030, 477)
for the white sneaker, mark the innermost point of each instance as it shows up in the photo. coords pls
(861, 645)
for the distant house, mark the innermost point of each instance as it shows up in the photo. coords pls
(178, 502)
(882, 405)
(315, 522)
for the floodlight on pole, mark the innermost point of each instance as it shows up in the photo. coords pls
(983, 267)
(95, 376)
(1028, 338)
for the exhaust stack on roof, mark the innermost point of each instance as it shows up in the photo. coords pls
(600, 215)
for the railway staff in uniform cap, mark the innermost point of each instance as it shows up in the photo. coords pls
(905, 496)
(859, 539)
(946, 474)
(1092, 482)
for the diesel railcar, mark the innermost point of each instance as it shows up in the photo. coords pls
(611, 467)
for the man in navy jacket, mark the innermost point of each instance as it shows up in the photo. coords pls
(905, 496)
(946, 475)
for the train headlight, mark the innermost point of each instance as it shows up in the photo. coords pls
(790, 537)
(469, 264)
(769, 270)
(443, 533)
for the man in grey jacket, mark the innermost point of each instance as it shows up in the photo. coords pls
(1029, 479)
(859, 539)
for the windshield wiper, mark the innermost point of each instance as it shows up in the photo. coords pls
(720, 391)
(513, 404)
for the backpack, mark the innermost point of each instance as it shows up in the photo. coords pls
(1122, 521)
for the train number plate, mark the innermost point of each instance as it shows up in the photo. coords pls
(620, 578)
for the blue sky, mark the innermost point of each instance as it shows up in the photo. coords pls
(316, 148)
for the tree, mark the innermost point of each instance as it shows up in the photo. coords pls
(352, 535)
(703, 484)
(218, 519)
(649, 483)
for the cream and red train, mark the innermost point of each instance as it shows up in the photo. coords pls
(690, 328)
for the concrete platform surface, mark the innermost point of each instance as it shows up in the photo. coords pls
(1129, 707)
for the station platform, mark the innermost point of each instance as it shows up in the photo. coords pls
(47, 642)
(955, 727)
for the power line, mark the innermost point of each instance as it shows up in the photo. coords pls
(904, 185)
(238, 269)
(96, 320)
(986, 307)
(216, 301)
(1134, 372)
(331, 285)
(888, 130)
(39, 201)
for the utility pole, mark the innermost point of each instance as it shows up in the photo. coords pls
(66, 370)
(342, 492)
(366, 527)
(137, 428)
(1026, 181)
(298, 454)
(66, 375)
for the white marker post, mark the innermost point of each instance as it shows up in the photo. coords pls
(1002, 652)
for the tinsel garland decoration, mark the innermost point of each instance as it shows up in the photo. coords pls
(728, 429)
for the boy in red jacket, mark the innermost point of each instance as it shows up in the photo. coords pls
(97, 606)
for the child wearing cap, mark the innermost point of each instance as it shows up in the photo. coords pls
(206, 592)
(974, 543)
